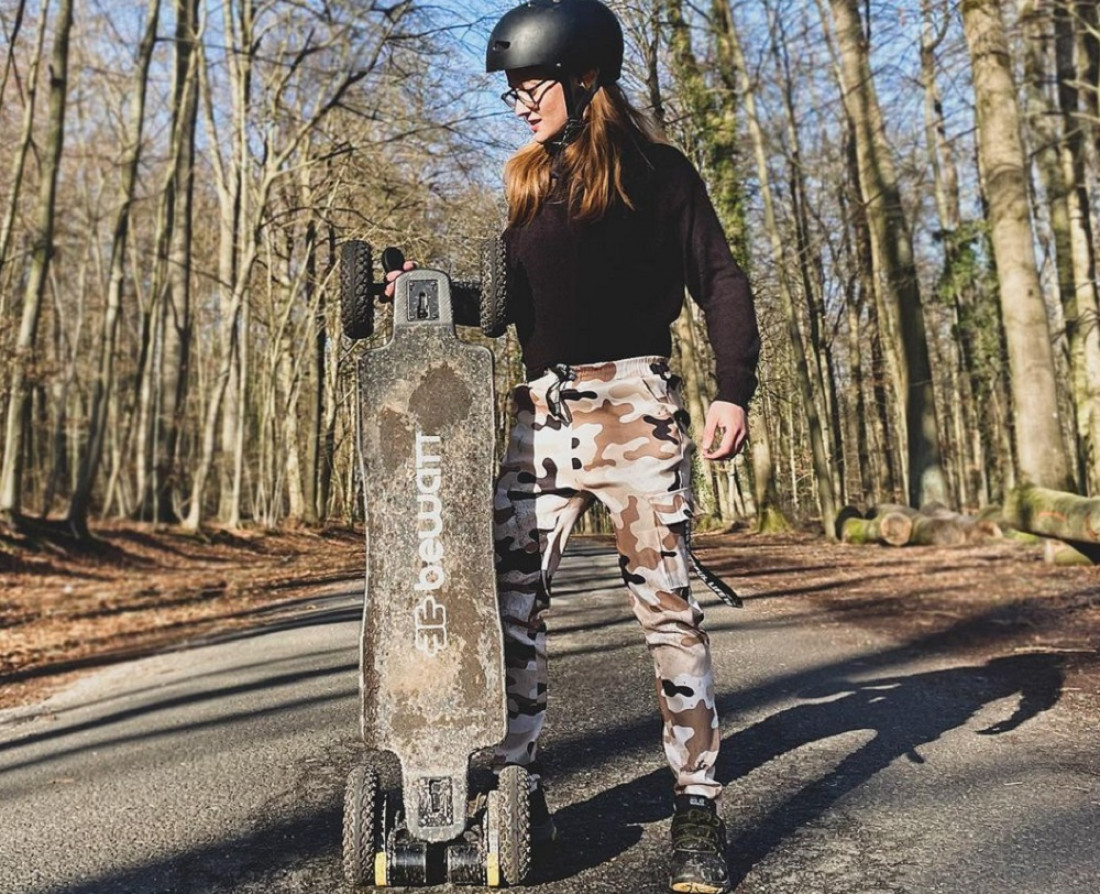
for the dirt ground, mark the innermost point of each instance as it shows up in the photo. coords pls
(969, 602)
(66, 609)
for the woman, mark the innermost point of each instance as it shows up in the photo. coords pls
(607, 224)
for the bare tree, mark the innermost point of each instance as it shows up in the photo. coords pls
(826, 494)
(24, 371)
(892, 254)
(19, 157)
(168, 324)
(244, 207)
(1042, 455)
(1073, 69)
(108, 339)
(11, 37)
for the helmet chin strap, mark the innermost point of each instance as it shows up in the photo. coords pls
(577, 99)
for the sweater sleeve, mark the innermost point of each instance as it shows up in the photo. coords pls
(721, 289)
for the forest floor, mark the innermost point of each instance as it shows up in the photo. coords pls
(67, 608)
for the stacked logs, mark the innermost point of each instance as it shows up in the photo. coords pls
(1068, 525)
(896, 525)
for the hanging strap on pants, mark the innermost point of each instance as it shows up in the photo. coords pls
(717, 586)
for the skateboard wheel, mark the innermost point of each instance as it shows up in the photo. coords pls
(363, 833)
(464, 865)
(356, 307)
(494, 288)
(407, 863)
(508, 829)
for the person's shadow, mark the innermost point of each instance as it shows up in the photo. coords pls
(903, 712)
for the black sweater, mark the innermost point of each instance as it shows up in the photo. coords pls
(608, 290)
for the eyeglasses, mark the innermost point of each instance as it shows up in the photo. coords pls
(525, 96)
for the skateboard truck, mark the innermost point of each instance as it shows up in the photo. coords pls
(432, 678)
(482, 303)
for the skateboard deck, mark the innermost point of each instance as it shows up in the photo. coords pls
(432, 663)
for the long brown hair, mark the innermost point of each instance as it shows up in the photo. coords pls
(593, 164)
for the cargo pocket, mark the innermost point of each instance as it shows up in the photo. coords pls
(674, 507)
(675, 511)
(653, 550)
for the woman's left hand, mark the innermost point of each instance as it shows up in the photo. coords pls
(391, 280)
(733, 423)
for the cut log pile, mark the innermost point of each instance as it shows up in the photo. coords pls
(896, 525)
(1068, 525)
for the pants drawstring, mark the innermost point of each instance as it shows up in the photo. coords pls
(554, 397)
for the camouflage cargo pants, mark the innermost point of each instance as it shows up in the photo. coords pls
(616, 433)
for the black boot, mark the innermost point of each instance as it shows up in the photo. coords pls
(698, 848)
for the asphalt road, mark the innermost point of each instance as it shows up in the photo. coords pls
(852, 765)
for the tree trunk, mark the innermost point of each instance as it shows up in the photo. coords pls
(1042, 455)
(1042, 128)
(240, 416)
(696, 405)
(13, 38)
(857, 404)
(892, 254)
(945, 188)
(651, 55)
(1053, 513)
(824, 473)
(1088, 30)
(23, 371)
(316, 337)
(875, 426)
(108, 338)
(1072, 70)
(288, 375)
(166, 377)
(811, 275)
(330, 369)
(19, 159)
(894, 525)
(724, 162)
(769, 516)
(940, 526)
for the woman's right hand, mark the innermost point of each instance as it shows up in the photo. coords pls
(391, 278)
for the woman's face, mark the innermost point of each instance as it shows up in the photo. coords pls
(539, 101)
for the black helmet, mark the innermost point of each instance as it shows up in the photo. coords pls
(572, 36)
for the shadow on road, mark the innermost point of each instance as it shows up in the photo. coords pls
(903, 712)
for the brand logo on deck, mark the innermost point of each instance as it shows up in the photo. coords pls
(431, 626)
(430, 614)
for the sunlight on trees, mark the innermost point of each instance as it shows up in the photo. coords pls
(177, 178)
